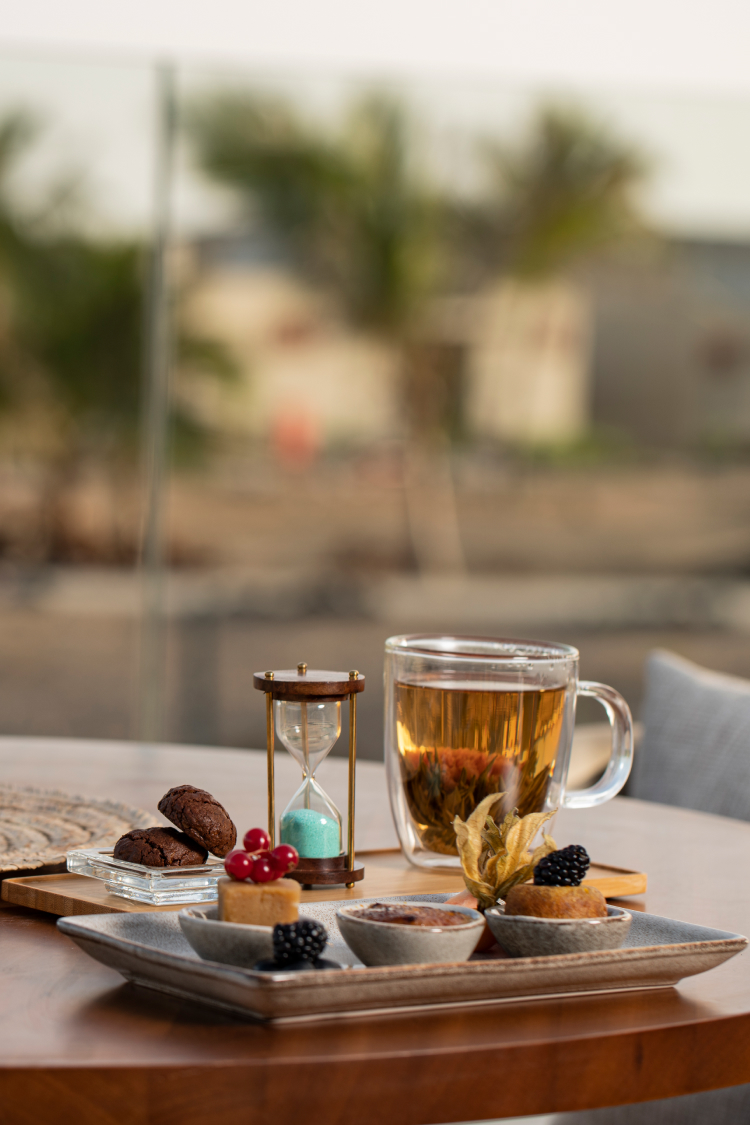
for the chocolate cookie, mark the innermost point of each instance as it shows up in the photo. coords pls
(200, 815)
(159, 847)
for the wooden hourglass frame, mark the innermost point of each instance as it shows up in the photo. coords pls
(298, 685)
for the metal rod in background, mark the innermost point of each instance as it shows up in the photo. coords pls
(156, 394)
(352, 774)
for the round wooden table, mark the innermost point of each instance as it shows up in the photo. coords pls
(79, 1046)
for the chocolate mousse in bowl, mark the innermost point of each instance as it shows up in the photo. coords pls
(410, 933)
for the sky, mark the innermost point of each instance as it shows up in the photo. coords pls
(98, 118)
(696, 45)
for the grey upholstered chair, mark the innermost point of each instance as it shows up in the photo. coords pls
(695, 753)
(696, 746)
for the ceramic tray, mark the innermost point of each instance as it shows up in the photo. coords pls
(149, 950)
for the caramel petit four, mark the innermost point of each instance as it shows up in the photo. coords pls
(555, 902)
(256, 892)
(259, 904)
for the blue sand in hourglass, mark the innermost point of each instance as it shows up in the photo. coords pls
(313, 834)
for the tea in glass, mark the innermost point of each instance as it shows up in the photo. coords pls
(459, 743)
(467, 717)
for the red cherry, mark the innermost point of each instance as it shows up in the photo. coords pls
(264, 871)
(256, 840)
(239, 865)
(285, 856)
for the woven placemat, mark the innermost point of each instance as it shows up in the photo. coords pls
(39, 826)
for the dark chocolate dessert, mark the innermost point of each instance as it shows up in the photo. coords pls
(159, 847)
(412, 915)
(200, 815)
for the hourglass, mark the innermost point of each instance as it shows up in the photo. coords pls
(304, 709)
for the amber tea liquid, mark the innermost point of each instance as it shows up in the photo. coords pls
(459, 742)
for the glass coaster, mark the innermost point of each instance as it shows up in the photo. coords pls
(158, 886)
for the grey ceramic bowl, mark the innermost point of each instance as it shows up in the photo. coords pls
(388, 943)
(232, 943)
(523, 936)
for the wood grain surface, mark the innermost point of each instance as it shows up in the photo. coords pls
(386, 873)
(79, 1046)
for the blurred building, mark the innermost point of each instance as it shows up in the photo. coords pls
(305, 378)
(526, 363)
(530, 364)
(671, 362)
(658, 350)
(515, 358)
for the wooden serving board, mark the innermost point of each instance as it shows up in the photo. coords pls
(386, 873)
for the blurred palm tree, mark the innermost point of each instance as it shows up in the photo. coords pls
(71, 352)
(562, 198)
(567, 193)
(349, 207)
(564, 195)
(356, 215)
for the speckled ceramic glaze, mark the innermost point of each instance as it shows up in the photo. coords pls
(388, 943)
(151, 950)
(523, 936)
(231, 943)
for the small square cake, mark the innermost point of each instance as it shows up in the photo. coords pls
(259, 904)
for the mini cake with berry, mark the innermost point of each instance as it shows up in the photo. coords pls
(255, 892)
(556, 891)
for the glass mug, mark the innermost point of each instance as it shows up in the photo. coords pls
(470, 716)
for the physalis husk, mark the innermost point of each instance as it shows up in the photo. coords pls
(495, 857)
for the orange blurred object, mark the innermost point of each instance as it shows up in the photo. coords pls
(466, 898)
(295, 438)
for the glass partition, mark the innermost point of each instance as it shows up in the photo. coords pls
(76, 215)
(291, 363)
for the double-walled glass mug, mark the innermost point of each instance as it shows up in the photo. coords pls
(470, 716)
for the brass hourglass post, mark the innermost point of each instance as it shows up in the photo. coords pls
(269, 752)
(353, 675)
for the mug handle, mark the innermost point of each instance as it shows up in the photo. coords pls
(621, 758)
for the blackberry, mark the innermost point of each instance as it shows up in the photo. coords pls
(298, 941)
(564, 868)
